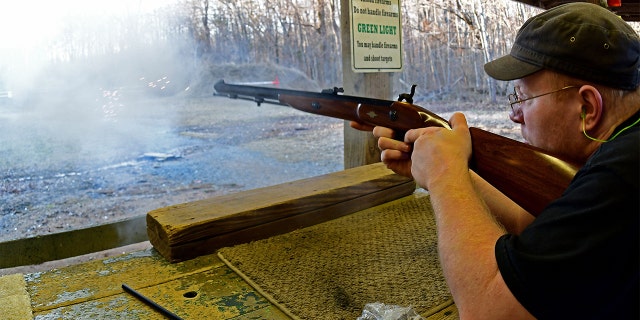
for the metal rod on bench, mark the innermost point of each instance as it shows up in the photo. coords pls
(150, 302)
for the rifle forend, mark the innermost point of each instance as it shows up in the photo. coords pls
(530, 176)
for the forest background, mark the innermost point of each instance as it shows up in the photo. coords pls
(445, 44)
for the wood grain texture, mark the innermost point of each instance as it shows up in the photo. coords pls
(16, 303)
(185, 231)
(527, 175)
(202, 288)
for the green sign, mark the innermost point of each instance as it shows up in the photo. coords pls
(376, 36)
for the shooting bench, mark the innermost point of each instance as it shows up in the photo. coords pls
(250, 255)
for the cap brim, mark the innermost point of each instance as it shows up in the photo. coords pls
(509, 68)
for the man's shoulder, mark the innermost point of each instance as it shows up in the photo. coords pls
(627, 145)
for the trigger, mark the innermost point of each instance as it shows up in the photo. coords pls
(399, 135)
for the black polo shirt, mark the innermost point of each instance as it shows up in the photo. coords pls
(579, 258)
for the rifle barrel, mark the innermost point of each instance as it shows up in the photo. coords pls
(272, 95)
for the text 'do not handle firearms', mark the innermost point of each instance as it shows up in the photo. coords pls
(529, 176)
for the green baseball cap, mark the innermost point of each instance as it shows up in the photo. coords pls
(578, 39)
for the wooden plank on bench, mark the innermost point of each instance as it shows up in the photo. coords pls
(189, 230)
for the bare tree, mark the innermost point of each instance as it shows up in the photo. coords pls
(445, 42)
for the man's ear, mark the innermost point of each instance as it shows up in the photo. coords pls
(592, 107)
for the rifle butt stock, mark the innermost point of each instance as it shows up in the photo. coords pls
(527, 175)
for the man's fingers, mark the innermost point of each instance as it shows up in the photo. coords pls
(380, 132)
(394, 155)
(360, 126)
(391, 144)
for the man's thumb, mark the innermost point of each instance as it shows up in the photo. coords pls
(459, 121)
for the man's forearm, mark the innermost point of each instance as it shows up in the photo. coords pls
(508, 213)
(466, 240)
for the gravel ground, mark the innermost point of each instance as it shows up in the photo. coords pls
(62, 171)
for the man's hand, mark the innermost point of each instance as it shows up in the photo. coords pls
(440, 155)
(395, 154)
(427, 154)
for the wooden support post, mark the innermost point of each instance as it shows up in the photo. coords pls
(360, 148)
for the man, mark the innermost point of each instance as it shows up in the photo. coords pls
(576, 70)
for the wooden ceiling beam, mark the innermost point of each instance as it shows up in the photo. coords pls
(629, 9)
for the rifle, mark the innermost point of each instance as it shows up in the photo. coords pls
(528, 175)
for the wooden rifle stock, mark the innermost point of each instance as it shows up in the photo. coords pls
(529, 176)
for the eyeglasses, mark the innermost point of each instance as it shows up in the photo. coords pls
(513, 97)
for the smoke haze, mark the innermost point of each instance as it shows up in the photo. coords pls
(75, 74)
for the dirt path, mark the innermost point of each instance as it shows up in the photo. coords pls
(169, 151)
